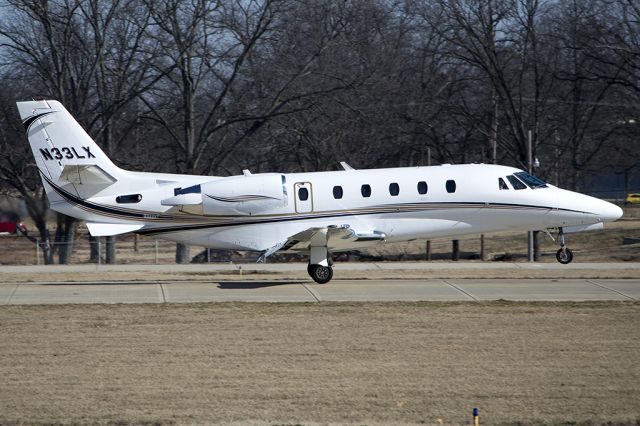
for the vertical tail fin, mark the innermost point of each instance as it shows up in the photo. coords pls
(63, 151)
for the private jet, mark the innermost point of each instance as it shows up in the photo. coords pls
(313, 213)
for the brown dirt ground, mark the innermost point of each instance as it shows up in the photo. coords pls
(326, 363)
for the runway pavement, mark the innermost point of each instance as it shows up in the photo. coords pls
(199, 288)
(307, 291)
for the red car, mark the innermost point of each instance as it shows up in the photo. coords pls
(9, 224)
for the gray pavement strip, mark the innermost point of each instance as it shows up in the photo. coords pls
(88, 293)
(308, 291)
(539, 289)
(627, 288)
(242, 291)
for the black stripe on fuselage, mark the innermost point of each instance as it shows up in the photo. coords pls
(389, 210)
(241, 198)
(96, 208)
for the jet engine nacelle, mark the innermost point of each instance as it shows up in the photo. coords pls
(244, 195)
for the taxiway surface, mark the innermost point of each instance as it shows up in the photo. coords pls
(306, 291)
(99, 284)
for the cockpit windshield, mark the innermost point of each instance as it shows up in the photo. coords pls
(531, 181)
(516, 183)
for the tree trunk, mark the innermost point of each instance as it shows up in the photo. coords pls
(455, 252)
(94, 248)
(37, 208)
(68, 237)
(182, 253)
(110, 250)
(58, 237)
(45, 243)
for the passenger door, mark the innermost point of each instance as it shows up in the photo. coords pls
(304, 197)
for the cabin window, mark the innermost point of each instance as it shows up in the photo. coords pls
(337, 192)
(502, 184)
(128, 199)
(394, 189)
(517, 184)
(531, 181)
(303, 194)
(451, 186)
(365, 190)
(422, 187)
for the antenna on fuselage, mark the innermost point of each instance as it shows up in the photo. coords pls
(346, 166)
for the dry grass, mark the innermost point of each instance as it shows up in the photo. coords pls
(387, 363)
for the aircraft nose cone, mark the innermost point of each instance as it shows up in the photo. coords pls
(609, 212)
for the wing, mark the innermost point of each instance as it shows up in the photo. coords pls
(333, 237)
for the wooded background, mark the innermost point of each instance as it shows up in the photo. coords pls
(213, 87)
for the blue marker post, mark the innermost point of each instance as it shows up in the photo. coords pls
(475, 417)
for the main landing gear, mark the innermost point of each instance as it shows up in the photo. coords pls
(320, 274)
(320, 267)
(563, 255)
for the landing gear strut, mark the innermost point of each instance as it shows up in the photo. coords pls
(563, 255)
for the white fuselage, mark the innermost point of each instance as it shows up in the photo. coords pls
(255, 217)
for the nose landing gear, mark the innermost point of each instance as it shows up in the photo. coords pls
(563, 255)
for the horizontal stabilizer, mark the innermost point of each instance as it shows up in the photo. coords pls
(86, 174)
(109, 229)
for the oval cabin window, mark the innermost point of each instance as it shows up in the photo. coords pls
(365, 190)
(128, 199)
(337, 192)
(422, 187)
(394, 189)
(451, 186)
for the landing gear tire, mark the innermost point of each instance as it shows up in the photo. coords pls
(564, 256)
(320, 274)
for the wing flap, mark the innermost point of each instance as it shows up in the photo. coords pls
(335, 237)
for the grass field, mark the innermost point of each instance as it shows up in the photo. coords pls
(326, 363)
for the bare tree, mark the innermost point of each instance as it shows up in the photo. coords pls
(89, 55)
(18, 177)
